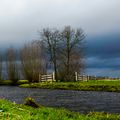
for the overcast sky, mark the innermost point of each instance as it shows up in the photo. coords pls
(100, 19)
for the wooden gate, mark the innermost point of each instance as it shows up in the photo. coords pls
(79, 77)
(48, 77)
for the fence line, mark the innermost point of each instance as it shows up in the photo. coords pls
(78, 77)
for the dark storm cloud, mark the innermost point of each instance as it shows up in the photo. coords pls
(103, 52)
(103, 47)
(20, 19)
(112, 63)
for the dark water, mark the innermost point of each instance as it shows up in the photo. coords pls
(81, 101)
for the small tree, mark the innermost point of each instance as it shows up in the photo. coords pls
(51, 39)
(12, 65)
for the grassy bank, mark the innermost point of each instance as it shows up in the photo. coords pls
(93, 85)
(12, 111)
(9, 82)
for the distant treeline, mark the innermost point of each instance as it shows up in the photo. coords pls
(62, 50)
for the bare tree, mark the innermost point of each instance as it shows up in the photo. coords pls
(33, 61)
(71, 53)
(12, 66)
(51, 38)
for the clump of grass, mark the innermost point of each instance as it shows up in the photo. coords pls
(22, 82)
(9, 82)
(29, 101)
(5, 82)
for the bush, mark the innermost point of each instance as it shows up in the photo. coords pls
(22, 82)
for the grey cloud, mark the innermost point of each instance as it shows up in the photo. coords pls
(22, 18)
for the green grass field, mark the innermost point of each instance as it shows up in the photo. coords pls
(92, 85)
(13, 111)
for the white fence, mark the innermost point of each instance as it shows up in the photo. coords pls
(48, 77)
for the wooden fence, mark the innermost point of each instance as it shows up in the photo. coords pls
(48, 77)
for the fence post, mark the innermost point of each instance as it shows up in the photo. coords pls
(76, 76)
(39, 78)
(82, 77)
(87, 77)
(95, 77)
(53, 76)
(46, 78)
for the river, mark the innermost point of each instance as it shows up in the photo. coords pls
(80, 101)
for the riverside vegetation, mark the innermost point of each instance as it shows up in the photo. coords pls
(92, 85)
